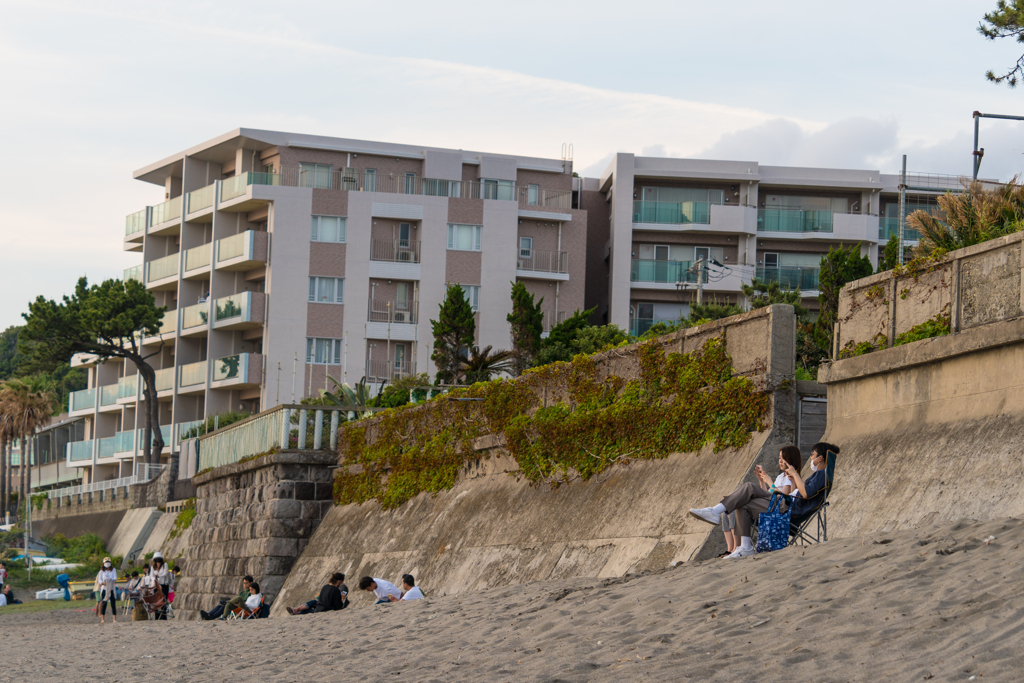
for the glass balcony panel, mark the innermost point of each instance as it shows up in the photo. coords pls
(167, 211)
(124, 442)
(639, 326)
(108, 395)
(164, 379)
(197, 257)
(170, 321)
(135, 222)
(664, 272)
(890, 225)
(80, 450)
(192, 374)
(160, 268)
(672, 213)
(794, 220)
(234, 306)
(791, 278)
(200, 199)
(83, 400)
(107, 447)
(133, 273)
(194, 316)
(235, 186)
(230, 367)
(232, 247)
(128, 387)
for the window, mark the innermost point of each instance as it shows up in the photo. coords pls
(771, 260)
(327, 290)
(327, 229)
(532, 194)
(473, 295)
(496, 189)
(525, 247)
(268, 168)
(410, 183)
(441, 188)
(315, 175)
(371, 180)
(403, 234)
(323, 351)
(402, 296)
(464, 237)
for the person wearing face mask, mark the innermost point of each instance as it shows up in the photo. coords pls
(750, 500)
(105, 590)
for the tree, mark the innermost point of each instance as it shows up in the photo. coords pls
(28, 405)
(107, 321)
(970, 217)
(558, 346)
(482, 364)
(701, 313)
(890, 254)
(838, 266)
(527, 321)
(1006, 22)
(761, 294)
(598, 338)
(398, 393)
(454, 332)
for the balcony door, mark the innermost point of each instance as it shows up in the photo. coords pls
(400, 369)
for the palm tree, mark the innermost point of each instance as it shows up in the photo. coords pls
(6, 428)
(482, 364)
(29, 402)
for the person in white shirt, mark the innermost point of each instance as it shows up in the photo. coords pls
(3, 600)
(381, 588)
(163, 579)
(105, 590)
(412, 591)
(252, 603)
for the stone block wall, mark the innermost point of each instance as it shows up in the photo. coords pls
(253, 518)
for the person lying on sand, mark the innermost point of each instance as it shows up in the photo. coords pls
(411, 590)
(381, 588)
(749, 500)
(333, 596)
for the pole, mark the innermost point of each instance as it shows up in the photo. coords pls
(295, 363)
(903, 204)
(976, 157)
(700, 281)
(277, 397)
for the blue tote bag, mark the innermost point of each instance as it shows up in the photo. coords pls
(773, 527)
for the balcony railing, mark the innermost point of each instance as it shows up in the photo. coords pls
(164, 379)
(794, 220)
(200, 199)
(197, 257)
(108, 395)
(80, 450)
(550, 319)
(195, 316)
(135, 222)
(665, 272)
(791, 278)
(192, 374)
(170, 321)
(672, 213)
(379, 370)
(82, 400)
(401, 251)
(890, 225)
(168, 211)
(232, 367)
(236, 185)
(234, 306)
(133, 273)
(544, 261)
(124, 442)
(393, 311)
(639, 326)
(161, 268)
(128, 387)
(359, 181)
(143, 473)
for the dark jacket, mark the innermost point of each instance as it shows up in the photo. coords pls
(331, 598)
(815, 486)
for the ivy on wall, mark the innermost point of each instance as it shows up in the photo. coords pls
(559, 422)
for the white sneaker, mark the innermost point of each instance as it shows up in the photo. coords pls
(706, 515)
(740, 552)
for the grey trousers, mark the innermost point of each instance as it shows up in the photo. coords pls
(748, 501)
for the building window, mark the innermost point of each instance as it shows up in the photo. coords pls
(497, 189)
(268, 168)
(323, 351)
(464, 237)
(371, 180)
(532, 194)
(327, 290)
(410, 183)
(525, 247)
(473, 295)
(402, 296)
(327, 229)
(315, 175)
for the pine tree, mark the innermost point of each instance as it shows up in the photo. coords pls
(1006, 22)
(454, 332)
(527, 321)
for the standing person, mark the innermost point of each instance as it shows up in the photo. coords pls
(412, 591)
(381, 588)
(105, 586)
(162, 576)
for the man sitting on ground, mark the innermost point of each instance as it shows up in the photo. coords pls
(412, 591)
(381, 588)
(226, 606)
(333, 596)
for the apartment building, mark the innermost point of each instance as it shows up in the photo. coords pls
(683, 229)
(284, 258)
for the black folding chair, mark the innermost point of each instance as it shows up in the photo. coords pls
(800, 528)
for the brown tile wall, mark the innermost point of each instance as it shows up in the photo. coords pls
(463, 267)
(547, 181)
(324, 320)
(466, 212)
(327, 259)
(330, 202)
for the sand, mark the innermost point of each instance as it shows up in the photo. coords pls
(941, 604)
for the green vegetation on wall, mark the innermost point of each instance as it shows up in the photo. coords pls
(681, 402)
(936, 327)
(184, 519)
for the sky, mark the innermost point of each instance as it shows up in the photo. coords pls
(90, 92)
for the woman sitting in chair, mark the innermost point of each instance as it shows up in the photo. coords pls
(252, 603)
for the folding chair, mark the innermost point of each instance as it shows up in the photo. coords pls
(800, 528)
(243, 613)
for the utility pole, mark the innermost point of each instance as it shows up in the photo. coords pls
(903, 204)
(979, 153)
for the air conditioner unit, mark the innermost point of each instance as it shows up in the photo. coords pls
(405, 255)
(399, 317)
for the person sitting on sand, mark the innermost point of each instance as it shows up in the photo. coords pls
(227, 606)
(255, 599)
(381, 588)
(333, 596)
(411, 590)
(749, 500)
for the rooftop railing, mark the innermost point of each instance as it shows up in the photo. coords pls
(543, 261)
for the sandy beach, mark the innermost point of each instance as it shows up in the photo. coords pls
(939, 603)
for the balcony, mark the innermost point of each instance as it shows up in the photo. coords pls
(166, 431)
(541, 264)
(124, 442)
(890, 225)
(192, 377)
(82, 401)
(195, 319)
(244, 251)
(239, 311)
(392, 319)
(399, 251)
(794, 220)
(108, 395)
(237, 186)
(135, 224)
(162, 273)
(639, 326)
(672, 213)
(197, 261)
(240, 369)
(165, 218)
(128, 389)
(662, 272)
(164, 380)
(80, 450)
(199, 201)
(803, 279)
(388, 371)
(134, 273)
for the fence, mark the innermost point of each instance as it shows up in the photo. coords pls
(143, 473)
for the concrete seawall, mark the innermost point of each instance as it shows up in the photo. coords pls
(492, 529)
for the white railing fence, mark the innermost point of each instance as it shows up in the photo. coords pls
(143, 474)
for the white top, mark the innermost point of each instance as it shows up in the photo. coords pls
(3, 600)
(106, 579)
(253, 601)
(782, 480)
(413, 593)
(163, 577)
(149, 581)
(385, 588)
